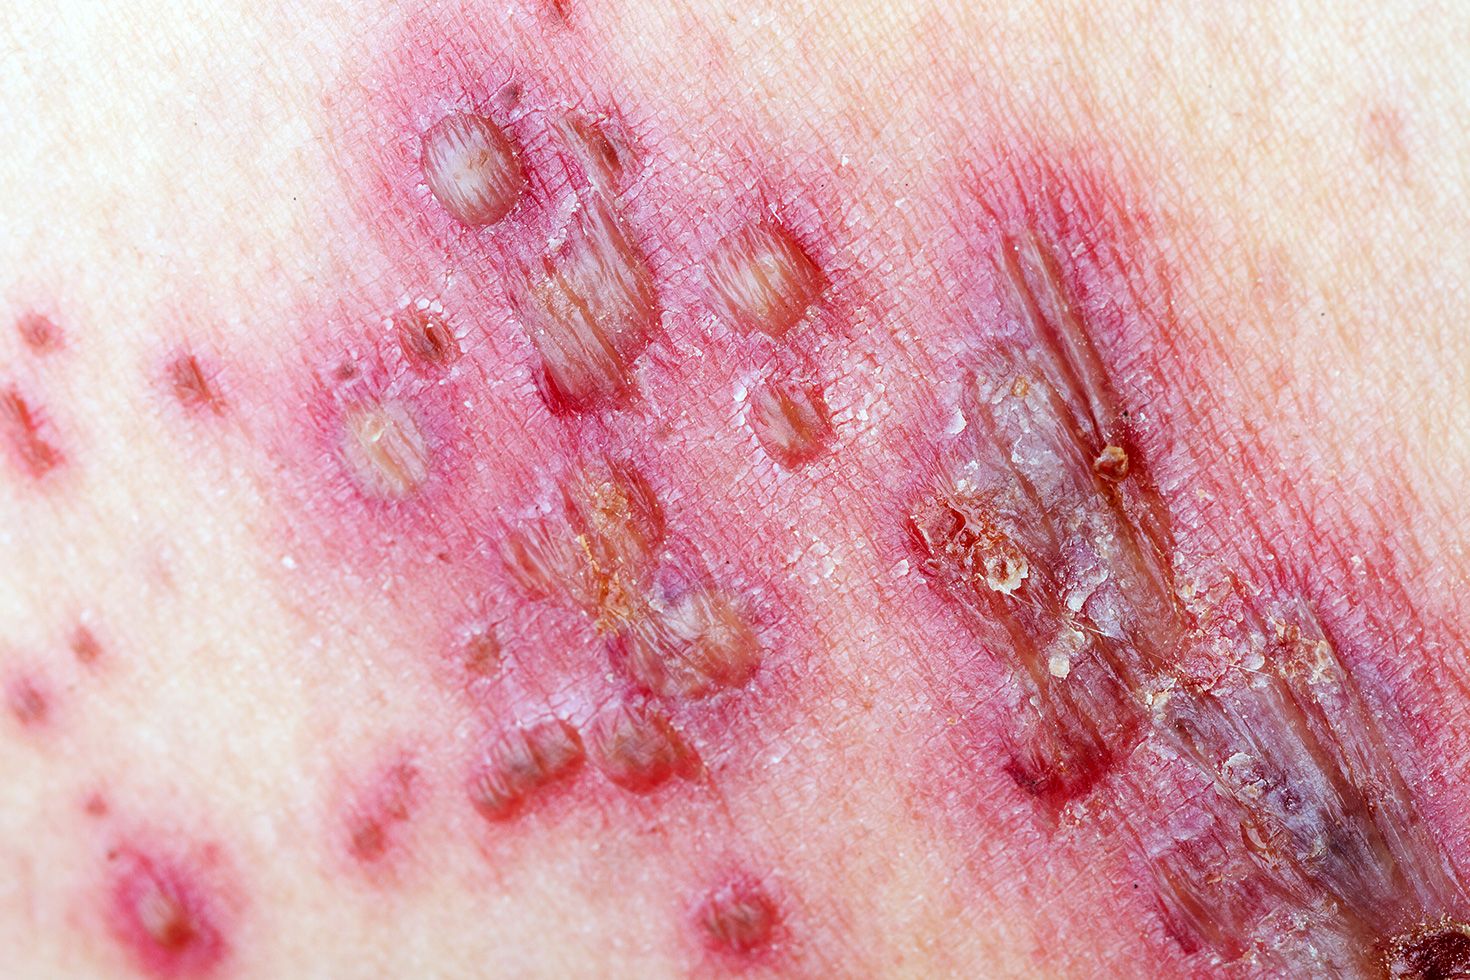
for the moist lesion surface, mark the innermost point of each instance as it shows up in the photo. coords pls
(1308, 853)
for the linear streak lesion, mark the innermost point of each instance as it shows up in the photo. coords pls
(1052, 536)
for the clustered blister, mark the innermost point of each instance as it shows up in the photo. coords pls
(1053, 538)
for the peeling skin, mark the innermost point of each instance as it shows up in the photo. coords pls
(981, 620)
(1309, 805)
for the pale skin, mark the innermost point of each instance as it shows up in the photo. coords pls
(208, 660)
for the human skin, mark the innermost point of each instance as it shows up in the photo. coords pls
(256, 665)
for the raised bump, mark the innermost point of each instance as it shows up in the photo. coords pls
(604, 157)
(85, 646)
(693, 646)
(39, 333)
(738, 917)
(523, 762)
(472, 168)
(590, 310)
(164, 917)
(425, 338)
(637, 748)
(192, 386)
(791, 421)
(27, 701)
(764, 280)
(376, 816)
(386, 449)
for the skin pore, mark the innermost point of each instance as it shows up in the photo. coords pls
(591, 489)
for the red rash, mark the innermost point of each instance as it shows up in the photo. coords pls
(39, 333)
(28, 702)
(584, 451)
(379, 813)
(25, 433)
(165, 916)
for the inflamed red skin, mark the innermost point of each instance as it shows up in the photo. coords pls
(652, 533)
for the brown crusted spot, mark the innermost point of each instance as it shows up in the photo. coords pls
(480, 653)
(637, 748)
(738, 917)
(791, 421)
(85, 646)
(23, 429)
(764, 279)
(472, 168)
(602, 556)
(1434, 951)
(590, 310)
(27, 702)
(692, 647)
(619, 525)
(39, 332)
(1111, 464)
(425, 338)
(193, 387)
(525, 760)
(386, 449)
(959, 534)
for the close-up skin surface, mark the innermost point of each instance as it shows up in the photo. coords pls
(571, 488)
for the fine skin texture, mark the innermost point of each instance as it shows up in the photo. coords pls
(874, 490)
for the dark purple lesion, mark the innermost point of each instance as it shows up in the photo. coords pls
(1058, 547)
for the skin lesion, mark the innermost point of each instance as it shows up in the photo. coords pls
(592, 472)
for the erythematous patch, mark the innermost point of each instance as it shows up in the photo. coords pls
(1049, 535)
